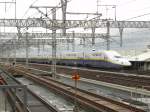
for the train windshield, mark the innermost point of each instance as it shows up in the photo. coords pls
(117, 56)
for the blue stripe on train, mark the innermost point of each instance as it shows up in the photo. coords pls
(92, 63)
(101, 64)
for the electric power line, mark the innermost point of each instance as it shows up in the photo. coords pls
(126, 3)
(141, 9)
(138, 16)
(29, 8)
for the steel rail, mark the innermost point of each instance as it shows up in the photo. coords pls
(91, 102)
(50, 108)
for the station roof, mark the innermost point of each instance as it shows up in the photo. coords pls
(141, 57)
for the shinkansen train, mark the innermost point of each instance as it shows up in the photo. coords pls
(100, 59)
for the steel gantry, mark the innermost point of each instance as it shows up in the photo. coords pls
(36, 22)
(36, 39)
(43, 38)
(55, 24)
(7, 36)
(39, 22)
(59, 24)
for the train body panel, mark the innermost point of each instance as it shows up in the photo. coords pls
(101, 64)
(100, 59)
(89, 63)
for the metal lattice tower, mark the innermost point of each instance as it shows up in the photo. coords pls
(64, 8)
(5, 5)
(54, 25)
(54, 43)
(27, 48)
(108, 35)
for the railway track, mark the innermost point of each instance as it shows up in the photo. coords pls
(97, 102)
(123, 70)
(35, 103)
(125, 79)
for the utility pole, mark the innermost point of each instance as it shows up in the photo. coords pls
(73, 43)
(15, 37)
(108, 35)
(54, 43)
(38, 46)
(64, 8)
(54, 47)
(27, 49)
(5, 5)
(75, 77)
(97, 5)
(93, 35)
(15, 51)
(121, 34)
(115, 12)
(8, 54)
(112, 6)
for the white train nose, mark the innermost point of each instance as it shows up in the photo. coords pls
(127, 63)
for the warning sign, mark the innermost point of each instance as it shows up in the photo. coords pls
(76, 76)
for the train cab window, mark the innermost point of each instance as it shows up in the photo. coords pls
(97, 54)
(117, 56)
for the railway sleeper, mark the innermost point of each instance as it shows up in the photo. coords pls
(38, 79)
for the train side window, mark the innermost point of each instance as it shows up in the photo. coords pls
(96, 54)
(117, 56)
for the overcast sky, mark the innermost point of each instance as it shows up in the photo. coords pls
(125, 9)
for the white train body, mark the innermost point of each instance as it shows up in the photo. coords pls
(101, 59)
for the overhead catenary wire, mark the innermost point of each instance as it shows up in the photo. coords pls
(29, 8)
(137, 10)
(118, 4)
(125, 3)
(35, 0)
(137, 16)
(50, 12)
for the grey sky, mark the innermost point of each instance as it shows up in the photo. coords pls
(125, 8)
